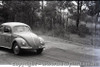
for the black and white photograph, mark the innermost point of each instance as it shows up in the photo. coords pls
(50, 33)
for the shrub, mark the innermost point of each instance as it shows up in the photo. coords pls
(58, 30)
(72, 29)
(82, 30)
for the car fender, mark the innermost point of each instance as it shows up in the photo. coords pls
(18, 40)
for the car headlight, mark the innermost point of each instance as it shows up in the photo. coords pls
(41, 40)
(23, 43)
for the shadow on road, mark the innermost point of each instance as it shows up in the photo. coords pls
(23, 52)
(5, 50)
(28, 53)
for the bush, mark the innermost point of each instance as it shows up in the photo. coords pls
(82, 30)
(58, 30)
(72, 29)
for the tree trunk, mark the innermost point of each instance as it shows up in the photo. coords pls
(96, 23)
(60, 18)
(92, 38)
(79, 5)
(77, 20)
(42, 22)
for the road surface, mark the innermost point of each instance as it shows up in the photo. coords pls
(57, 52)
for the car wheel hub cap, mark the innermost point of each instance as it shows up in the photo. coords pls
(16, 50)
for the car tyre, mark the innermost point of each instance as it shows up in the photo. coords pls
(16, 49)
(39, 51)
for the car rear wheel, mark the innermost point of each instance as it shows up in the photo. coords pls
(16, 49)
(39, 51)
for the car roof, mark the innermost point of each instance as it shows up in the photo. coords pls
(12, 24)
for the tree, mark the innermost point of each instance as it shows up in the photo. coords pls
(49, 14)
(79, 6)
(94, 10)
(22, 11)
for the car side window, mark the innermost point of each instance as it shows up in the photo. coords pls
(7, 29)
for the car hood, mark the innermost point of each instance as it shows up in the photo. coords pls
(31, 38)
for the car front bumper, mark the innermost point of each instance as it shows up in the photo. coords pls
(38, 47)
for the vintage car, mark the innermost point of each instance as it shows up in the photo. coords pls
(19, 36)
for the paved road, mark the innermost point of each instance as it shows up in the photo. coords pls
(56, 52)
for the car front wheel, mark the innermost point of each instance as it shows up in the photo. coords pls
(16, 49)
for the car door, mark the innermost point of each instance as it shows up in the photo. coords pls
(7, 36)
(1, 37)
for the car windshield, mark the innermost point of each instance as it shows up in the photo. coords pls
(21, 29)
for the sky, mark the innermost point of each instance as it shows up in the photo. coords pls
(0, 2)
(44, 2)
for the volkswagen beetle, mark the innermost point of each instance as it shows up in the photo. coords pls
(19, 36)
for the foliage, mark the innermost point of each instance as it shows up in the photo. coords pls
(51, 16)
(59, 30)
(23, 11)
(72, 29)
(83, 30)
(93, 7)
